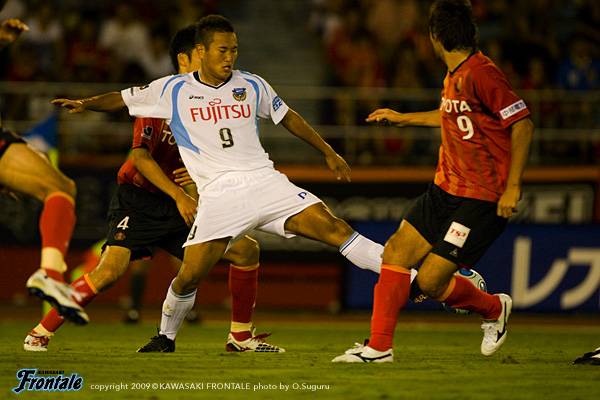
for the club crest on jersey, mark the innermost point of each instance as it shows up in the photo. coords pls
(120, 236)
(458, 85)
(239, 94)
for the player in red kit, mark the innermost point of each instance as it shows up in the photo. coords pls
(24, 169)
(151, 209)
(486, 134)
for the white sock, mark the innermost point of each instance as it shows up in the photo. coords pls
(363, 252)
(413, 275)
(174, 310)
(53, 259)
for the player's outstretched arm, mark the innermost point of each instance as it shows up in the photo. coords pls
(385, 116)
(108, 102)
(520, 141)
(10, 31)
(300, 128)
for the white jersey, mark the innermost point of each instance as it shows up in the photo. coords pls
(216, 127)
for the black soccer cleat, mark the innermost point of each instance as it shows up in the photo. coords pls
(591, 358)
(158, 344)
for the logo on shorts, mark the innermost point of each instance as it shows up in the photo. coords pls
(120, 236)
(454, 253)
(193, 233)
(239, 94)
(457, 234)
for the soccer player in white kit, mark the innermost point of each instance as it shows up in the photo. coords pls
(213, 114)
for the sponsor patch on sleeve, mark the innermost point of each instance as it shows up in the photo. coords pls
(277, 102)
(513, 109)
(457, 234)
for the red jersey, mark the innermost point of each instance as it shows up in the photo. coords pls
(155, 134)
(477, 109)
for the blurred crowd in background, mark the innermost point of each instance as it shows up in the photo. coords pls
(539, 45)
(97, 41)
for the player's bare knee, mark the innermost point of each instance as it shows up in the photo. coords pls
(393, 247)
(251, 253)
(67, 186)
(431, 286)
(104, 277)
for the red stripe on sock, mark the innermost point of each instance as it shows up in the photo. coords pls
(243, 286)
(391, 294)
(467, 297)
(52, 274)
(57, 221)
(52, 321)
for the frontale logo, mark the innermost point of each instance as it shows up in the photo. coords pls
(58, 383)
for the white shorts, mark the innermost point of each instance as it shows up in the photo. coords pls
(235, 204)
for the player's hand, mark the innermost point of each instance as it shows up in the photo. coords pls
(338, 166)
(508, 205)
(182, 177)
(385, 116)
(187, 207)
(74, 106)
(10, 31)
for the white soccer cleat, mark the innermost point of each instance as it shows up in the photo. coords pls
(254, 344)
(494, 331)
(36, 342)
(365, 354)
(59, 294)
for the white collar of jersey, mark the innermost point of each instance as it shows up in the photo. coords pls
(197, 77)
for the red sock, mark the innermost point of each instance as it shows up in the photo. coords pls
(57, 276)
(391, 294)
(243, 285)
(461, 293)
(52, 321)
(57, 221)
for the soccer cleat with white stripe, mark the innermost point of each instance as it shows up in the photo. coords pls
(36, 342)
(59, 294)
(365, 354)
(254, 344)
(494, 331)
(591, 358)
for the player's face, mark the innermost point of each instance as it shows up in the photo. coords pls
(217, 60)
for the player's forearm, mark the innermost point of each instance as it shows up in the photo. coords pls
(522, 132)
(145, 164)
(108, 102)
(427, 118)
(301, 129)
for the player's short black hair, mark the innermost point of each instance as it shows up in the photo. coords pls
(209, 25)
(452, 23)
(183, 42)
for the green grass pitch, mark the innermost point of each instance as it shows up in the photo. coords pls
(436, 357)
